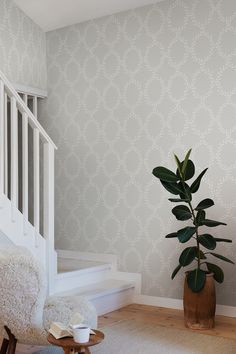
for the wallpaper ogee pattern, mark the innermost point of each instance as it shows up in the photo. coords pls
(22, 47)
(125, 93)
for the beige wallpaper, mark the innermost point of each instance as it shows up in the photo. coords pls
(22, 47)
(125, 93)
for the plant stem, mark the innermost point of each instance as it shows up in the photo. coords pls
(198, 245)
(194, 221)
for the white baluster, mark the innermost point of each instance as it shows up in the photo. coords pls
(48, 209)
(14, 156)
(25, 99)
(25, 162)
(35, 106)
(36, 185)
(1, 137)
(6, 145)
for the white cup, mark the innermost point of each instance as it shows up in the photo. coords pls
(81, 334)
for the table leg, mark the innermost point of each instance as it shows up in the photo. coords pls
(84, 350)
(68, 350)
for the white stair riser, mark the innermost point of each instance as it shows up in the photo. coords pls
(80, 280)
(111, 302)
(88, 256)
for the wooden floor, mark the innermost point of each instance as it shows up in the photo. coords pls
(225, 326)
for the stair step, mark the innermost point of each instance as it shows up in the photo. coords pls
(107, 296)
(77, 273)
(67, 265)
(102, 288)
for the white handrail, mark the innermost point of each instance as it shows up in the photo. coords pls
(24, 109)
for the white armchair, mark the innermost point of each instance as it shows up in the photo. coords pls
(24, 308)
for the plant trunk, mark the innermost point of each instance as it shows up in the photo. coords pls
(199, 308)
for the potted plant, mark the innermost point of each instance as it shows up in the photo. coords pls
(199, 288)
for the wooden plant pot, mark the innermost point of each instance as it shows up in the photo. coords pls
(199, 308)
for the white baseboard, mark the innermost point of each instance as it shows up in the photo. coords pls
(159, 301)
(223, 310)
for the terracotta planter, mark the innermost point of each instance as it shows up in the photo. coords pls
(199, 308)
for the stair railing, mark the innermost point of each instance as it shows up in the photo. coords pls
(15, 121)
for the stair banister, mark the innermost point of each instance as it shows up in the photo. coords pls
(23, 108)
(7, 92)
(48, 208)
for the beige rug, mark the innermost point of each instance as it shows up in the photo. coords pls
(131, 337)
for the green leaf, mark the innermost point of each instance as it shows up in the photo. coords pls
(207, 241)
(189, 171)
(172, 235)
(177, 200)
(171, 187)
(164, 174)
(179, 165)
(201, 215)
(217, 271)
(223, 240)
(182, 212)
(204, 204)
(223, 258)
(185, 191)
(187, 256)
(186, 161)
(212, 223)
(196, 184)
(186, 233)
(176, 271)
(196, 280)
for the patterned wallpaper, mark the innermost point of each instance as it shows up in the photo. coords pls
(22, 47)
(126, 92)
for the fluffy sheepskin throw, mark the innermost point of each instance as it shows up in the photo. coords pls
(24, 307)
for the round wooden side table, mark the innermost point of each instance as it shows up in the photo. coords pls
(70, 346)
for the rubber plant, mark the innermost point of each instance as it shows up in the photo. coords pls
(176, 183)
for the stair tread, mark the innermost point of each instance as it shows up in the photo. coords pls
(66, 265)
(99, 289)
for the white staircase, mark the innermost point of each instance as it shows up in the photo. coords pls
(96, 277)
(27, 211)
(26, 158)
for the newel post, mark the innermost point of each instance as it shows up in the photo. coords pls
(49, 213)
